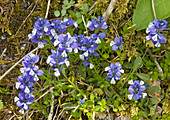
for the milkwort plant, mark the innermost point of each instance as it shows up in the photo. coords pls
(25, 82)
(84, 46)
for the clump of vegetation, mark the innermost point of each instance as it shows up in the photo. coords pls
(85, 66)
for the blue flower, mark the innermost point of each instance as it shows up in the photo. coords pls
(160, 24)
(100, 23)
(136, 89)
(154, 32)
(114, 72)
(88, 63)
(117, 44)
(89, 47)
(25, 82)
(41, 27)
(30, 68)
(64, 44)
(70, 22)
(56, 60)
(82, 102)
(24, 100)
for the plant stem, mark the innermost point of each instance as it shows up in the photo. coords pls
(74, 85)
(153, 8)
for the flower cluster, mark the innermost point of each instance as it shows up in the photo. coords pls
(136, 89)
(26, 81)
(154, 29)
(65, 43)
(56, 60)
(117, 44)
(43, 28)
(100, 23)
(114, 72)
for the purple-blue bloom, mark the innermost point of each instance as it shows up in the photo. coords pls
(136, 89)
(82, 102)
(25, 82)
(114, 71)
(100, 23)
(41, 27)
(154, 29)
(56, 60)
(64, 44)
(117, 44)
(24, 100)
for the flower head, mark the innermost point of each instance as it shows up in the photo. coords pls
(114, 72)
(24, 100)
(136, 89)
(100, 23)
(117, 44)
(41, 27)
(154, 30)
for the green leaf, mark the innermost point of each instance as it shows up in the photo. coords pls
(115, 109)
(65, 2)
(154, 100)
(85, 8)
(55, 93)
(167, 55)
(96, 108)
(91, 96)
(143, 76)
(143, 14)
(116, 103)
(63, 12)
(72, 14)
(137, 63)
(57, 13)
(153, 89)
(79, 20)
(106, 55)
(162, 9)
(75, 114)
(127, 65)
(1, 104)
(103, 102)
(78, 14)
(89, 103)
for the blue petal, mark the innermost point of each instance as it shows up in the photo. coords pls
(102, 35)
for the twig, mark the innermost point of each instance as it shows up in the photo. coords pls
(125, 22)
(60, 114)
(26, 18)
(92, 6)
(52, 106)
(48, 6)
(153, 8)
(109, 9)
(3, 54)
(116, 30)
(12, 117)
(85, 25)
(157, 64)
(56, 112)
(44, 94)
(93, 111)
(16, 64)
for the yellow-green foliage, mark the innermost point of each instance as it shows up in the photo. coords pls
(79, 3)
(102, 6)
